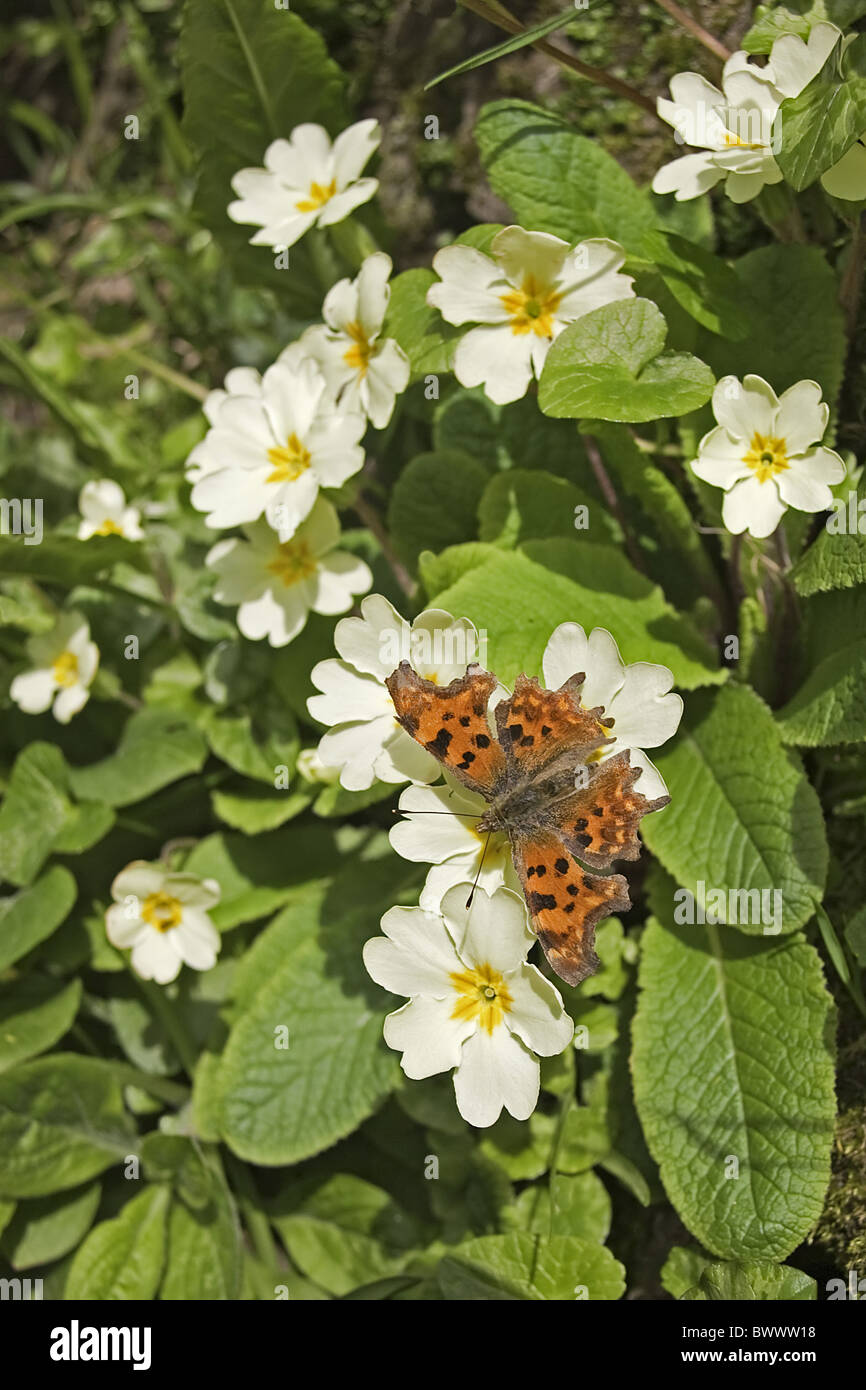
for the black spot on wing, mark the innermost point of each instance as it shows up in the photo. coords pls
(439, 745)
(561, 866)
(482, 741)
(541, 902)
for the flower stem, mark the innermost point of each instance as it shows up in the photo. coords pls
(165, 1014)
(851, 285)
(712, 44)
(257, 1224)
(371, 519)
(497, 14)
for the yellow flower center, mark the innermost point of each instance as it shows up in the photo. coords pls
(290, 460)
(318, 196)
(767, 456)
(531, 309)
(732, 141)
(162, 911)
(108, 528)
(65, 669)
(359, 354)
(482, 995)
(295, 561)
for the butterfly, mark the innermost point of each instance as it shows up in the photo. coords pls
(565, 811)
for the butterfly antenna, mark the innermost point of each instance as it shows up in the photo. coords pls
(478, 873)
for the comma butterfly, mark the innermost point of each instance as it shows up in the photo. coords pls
(546, 789)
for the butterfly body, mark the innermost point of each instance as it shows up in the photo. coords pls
(547, 789)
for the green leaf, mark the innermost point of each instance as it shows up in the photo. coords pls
(798, 17)
(122, 1259)
(830, 705)
(427, 340)
(820, 124)
(519, 598)
(682, 1269)
(62, 1122)
(35, 1012)
(67, 561)
(837, 559)
(280, 1103)
(518, 1266)
(792, 336)
(581, 1207)
(705, 286)
(47, 1228)
(610, 364)
(251, 73)
(556, 180)
(156, 747)
(752, 1280)
(254, 809)
(32, 915)
(529, 504)
(34, 811)
(257, 876)
(345, 1233)
(434, 503)
(253, 742)
(512, 45)
(743, 818)
(733, 1077)
(204, 1250)
(658, 517)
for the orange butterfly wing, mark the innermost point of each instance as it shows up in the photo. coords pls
(539, 727)
(450, 721)
(599, 823)
(565, 903)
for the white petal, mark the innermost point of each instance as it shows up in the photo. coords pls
(69, 701)
(196, 939)
(355, 748)
(33, 691)
(123, 930)
(347, 695)
(537, 1014)
(432, 835)
(754, 507)
(155, 957)
(801, 485)
(492, 931)
(802, 416)
(415, 956)
(373, 291)
(646, 714)
(138, 880)
(605, 671)
(497, 359)
(429, 1038)
(745, 408)
(371, 641)
(352, 148)
(495, 1070)
(847, 178)
(565, 655)
(688, 177)
(466, 292)
(650, 784)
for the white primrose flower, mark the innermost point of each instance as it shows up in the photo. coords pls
(164, 918)
(451, 843)
(365, 741)
(307, 181)
(64, 663)
(239, 381)
(276, 584)
(635, 695)
(364, 370)
(104, 512)
(522, 296)
(474, 1002)
(794, 63)
(766, 453)
(269, 453)
(733, 126)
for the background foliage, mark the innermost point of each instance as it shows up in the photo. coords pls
(304, 1169)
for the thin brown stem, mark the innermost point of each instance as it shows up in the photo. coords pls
(712, 44)
(497, 14)
(608, 492)
(373, 522)
(851, 285)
